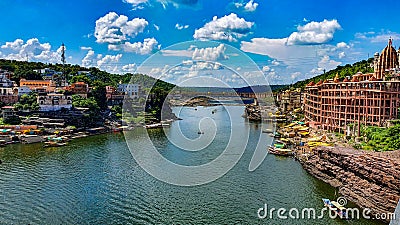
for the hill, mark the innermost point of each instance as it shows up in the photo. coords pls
(363, 66)
(95, 76)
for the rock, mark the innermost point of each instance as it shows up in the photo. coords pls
(370, 180)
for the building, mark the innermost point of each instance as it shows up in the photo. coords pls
(54, 102)
(8, 112)
(290, 100)
(5, 81)
(49, 74)
(6, 73)
(370, 99)
(113, 97)
(7, 96)
(78, 88)
(131, 90)
(22, 90)
(33, 85)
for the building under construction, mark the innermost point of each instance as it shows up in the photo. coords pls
(371, 99)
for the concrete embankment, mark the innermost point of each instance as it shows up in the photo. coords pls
(371, 180)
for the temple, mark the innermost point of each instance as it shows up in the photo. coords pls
(371, 99)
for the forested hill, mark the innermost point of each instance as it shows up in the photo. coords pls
(97, 77)
(363, 66)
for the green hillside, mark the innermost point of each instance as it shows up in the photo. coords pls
(363, 66)
(22, 69)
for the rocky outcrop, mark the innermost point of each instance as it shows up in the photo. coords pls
(371, 180)
(198, 101)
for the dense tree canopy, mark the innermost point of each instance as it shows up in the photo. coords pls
(363, 66)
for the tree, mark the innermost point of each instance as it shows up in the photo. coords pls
(79, 101)
(27, 102)
(81, 78)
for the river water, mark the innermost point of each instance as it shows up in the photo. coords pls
(96, 180)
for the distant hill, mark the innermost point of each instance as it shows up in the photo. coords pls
(363, 66)
(23, 69)
(248, 89)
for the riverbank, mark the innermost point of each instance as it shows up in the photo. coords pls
(38, 138)
(369, 179)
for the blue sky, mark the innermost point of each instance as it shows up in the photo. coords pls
(288, 40)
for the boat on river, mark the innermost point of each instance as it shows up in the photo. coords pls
(335, 207)
(48, 144)
(280, 151)
(55, 142)
(268, 131)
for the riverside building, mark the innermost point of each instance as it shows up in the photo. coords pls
(370, 99)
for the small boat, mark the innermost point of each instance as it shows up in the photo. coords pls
(152, 126)
(54, 144)
(280, 151)
(268, 131)
(337, 208)
(276, 135)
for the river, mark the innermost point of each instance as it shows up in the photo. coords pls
(96, 180)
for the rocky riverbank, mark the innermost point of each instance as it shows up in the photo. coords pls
(198, 101)
(371, 180)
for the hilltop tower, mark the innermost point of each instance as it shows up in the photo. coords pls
(62, 80)
(387, 60)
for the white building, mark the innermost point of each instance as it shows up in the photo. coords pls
(54, 102)
(23, 90)
(132, 90)
(5, 82)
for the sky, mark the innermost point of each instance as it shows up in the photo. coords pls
(279, 40)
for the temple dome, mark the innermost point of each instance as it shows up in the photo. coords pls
(387, 60)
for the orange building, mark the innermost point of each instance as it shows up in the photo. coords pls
(38, 84)
(370, 99)
(79, 88)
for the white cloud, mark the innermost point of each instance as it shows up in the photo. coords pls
(157, 27)
(136, 4)
(381, 37)
(275, 62)
(229, 28)
(327, 63)
(266, 68)
(250, 6)
(32, 50)
(210, 54)
(314, 33)
(342, 45)
(108, 63)
(113, 28)
(181, 27)
(148, 46)
(195, 53)
(15, 45)
(305, 51)
(178, 53)
(295, 75)
(84, 48)
(130, 68)
(157, 71)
